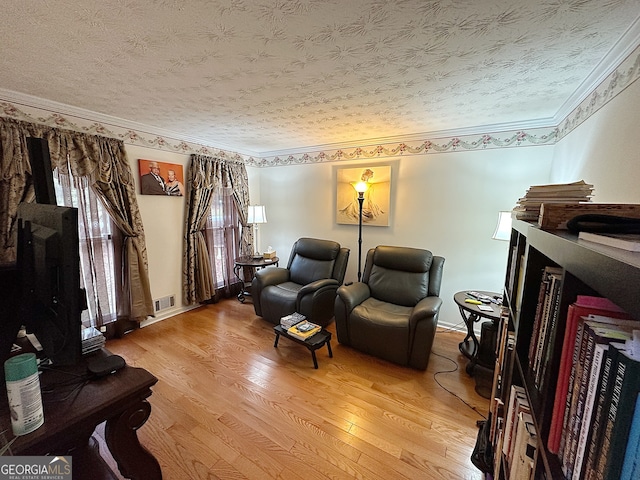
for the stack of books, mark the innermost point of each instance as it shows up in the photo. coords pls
(92, 340)
(304, 330)
(528, 207)
(290, 320)
(625, 241)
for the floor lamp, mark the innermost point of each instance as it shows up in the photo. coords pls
(360, 187)
(256, 214)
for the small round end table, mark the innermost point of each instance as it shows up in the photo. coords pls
(471, 314)
(249, 261)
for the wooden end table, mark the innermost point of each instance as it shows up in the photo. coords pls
(313, 343)
(471, 314)
(248, 261)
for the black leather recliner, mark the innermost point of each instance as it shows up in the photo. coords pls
(308, 285)
(393, 312)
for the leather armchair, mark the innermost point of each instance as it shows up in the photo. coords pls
(308, 285)
(393, 312)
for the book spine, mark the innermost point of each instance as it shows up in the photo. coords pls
(599, 419)
(587, 417)
(520, 405)
(564, 371)
(498, 373)
(525, 448)
(552, 331)
(533, 345)
(628, 373)
(544, 323)
(577, 403)
(610, 419)
(575, 364)
(630, 465)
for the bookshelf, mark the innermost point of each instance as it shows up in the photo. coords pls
(587, 269)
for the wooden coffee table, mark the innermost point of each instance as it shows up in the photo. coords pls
(313, 343)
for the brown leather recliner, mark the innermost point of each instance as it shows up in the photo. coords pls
(308, 285)
(393, 312)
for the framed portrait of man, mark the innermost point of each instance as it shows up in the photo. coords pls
(161, 178)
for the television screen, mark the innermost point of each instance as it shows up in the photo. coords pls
(51, 300)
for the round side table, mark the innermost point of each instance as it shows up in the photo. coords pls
(471, 314)
(249, 261)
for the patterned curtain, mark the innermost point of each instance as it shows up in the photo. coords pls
(15, 180)
(104, 161)
(206, 174)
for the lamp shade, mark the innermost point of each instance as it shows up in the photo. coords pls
(257, 214)
(503, 228)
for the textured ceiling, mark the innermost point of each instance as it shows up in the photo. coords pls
(262, 76)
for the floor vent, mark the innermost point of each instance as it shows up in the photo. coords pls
(164, 303)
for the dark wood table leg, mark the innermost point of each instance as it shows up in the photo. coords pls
(275, 343)
(315, 360)
(469, 320)
(134, 461)
(329, 348)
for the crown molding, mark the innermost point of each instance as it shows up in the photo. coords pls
(479, 130)
(619, 53)
(486, 141)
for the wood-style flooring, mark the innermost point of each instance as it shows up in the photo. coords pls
(228, 405)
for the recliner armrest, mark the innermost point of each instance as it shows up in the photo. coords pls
(354, 294)
(271, 276)
(428, 307)
(317, 285)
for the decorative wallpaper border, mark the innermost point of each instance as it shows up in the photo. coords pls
(623, 76)
(129, 136)
(542, 136)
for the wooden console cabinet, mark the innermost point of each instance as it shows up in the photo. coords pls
(72, 410)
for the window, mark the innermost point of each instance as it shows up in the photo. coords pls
(97, 253)
(222, 235)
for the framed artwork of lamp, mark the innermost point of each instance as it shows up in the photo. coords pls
(376, 197)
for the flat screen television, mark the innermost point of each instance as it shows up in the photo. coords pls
(51, 300)
(42, 289)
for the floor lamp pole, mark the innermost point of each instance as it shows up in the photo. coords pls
(360, 201)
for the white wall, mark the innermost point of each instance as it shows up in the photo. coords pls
(447, 203)
(604, 151)
(163, 220)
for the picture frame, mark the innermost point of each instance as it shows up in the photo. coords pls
(161, 178)
(377, 198)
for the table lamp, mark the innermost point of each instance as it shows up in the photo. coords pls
(503, 228)
(257, 214)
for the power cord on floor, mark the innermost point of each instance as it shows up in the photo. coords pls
(435, 377)
(455, 328)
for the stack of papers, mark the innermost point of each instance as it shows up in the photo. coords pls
(528, 207)
(92, 340)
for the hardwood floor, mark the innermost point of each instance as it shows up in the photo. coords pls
(229, 405)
